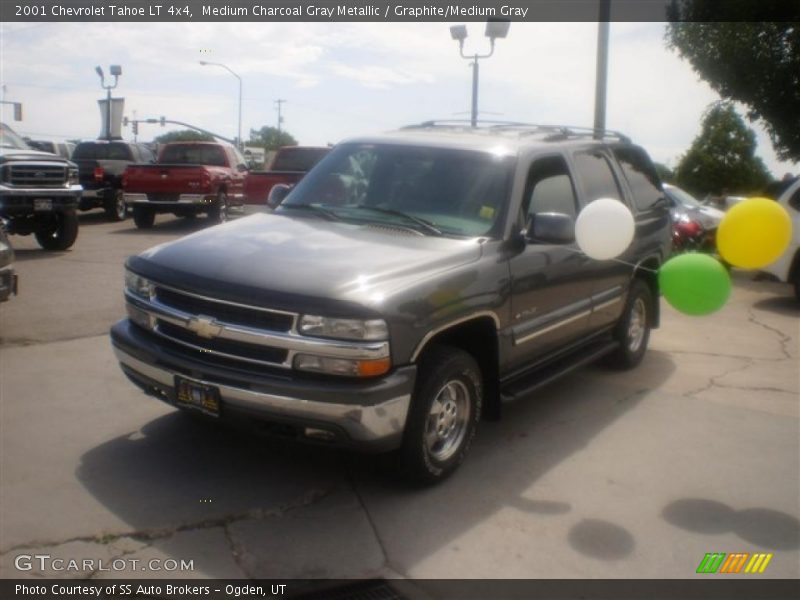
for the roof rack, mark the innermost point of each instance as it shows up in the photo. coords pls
(551, 132)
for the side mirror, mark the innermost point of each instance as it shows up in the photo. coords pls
(551, 228)
(277, 194)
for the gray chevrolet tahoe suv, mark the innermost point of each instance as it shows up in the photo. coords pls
(402, 291)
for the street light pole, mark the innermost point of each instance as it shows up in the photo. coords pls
(232, 72)
(494, 30)
(601, 75)
(116, 71)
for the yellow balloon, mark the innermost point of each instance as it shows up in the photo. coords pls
(754, 233)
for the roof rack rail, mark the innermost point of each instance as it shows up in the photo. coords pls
(552, 132)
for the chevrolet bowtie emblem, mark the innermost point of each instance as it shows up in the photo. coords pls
(205, 327)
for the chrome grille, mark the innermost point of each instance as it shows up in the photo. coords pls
(229, 313)
(238, 350)
(33, 175)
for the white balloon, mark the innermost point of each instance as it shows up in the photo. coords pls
(604, 229)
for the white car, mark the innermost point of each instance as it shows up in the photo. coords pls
(787, 267)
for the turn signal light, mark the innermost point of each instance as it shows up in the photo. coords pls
(99, 173)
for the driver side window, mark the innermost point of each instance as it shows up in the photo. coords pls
(550, 188)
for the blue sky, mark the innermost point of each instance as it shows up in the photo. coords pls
(345, 79)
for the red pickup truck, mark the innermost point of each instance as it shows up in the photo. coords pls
(288, 166)
(187, 179)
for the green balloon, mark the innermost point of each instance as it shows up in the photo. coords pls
(694, 283)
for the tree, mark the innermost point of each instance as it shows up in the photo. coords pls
(270, 138)
(666, 174)
(184, 135)
(756, 63)
(722, 157)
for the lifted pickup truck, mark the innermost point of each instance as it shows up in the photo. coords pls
(188, 178)
(409, 285)
(288, 167)
(101, 164)
(39, 193)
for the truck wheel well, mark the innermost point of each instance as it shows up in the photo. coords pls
(647, 271)
(478, 337)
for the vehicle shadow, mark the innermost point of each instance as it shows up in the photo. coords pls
(177, 225)
(93, 217)
(785, 305)
(27, 254)
(154, 479)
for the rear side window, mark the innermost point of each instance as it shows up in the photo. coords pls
(641, 175)
(298, 159)
(596, 177)
(145, 155)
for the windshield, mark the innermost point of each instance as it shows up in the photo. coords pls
(193, 154)
(9, 139)
(97, 151)
(682, 197)
(432, 190)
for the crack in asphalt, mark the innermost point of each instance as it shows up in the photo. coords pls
(783, 339)
(150, 535)
(712, 381)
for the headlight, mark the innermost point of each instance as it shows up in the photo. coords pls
(342, 366)
(137, 285)
(343, 329)
(72, 176)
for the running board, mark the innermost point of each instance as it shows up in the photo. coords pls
(549, 372)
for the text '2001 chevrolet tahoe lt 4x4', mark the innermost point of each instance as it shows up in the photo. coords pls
(409, 285)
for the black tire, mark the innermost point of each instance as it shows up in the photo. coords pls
(144, 217)
(218, 212)
(633, 329)
(61, 233)
(436, 443)
(115, 206)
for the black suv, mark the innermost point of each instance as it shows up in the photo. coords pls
(100, 167)
(39, 192)
(409, 285)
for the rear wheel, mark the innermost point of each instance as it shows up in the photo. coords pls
(444, 415)
(115, 207)
(144, 217)
(218, 213)
(60, 233)
(633, 330)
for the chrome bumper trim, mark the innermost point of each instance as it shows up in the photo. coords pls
(361, 423)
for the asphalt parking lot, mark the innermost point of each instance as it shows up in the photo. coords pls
(603, 474)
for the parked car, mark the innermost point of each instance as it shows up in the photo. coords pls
(39, 193)
(62, 149)
(694, 225)
(101, 164)
(8, 277)
(188, 178)
(407, 286)
(787, 267)
(289, 165)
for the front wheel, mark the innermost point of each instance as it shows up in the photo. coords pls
(444, 415)
(59, 234)
(633, 330)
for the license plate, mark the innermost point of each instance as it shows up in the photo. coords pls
(197, 396)
(42, 204)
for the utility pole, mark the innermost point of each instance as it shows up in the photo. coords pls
(278, 103)
(602, 68)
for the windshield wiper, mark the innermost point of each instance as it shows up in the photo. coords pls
(426, 225)
(314, 208)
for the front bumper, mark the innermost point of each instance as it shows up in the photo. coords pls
(368, 415)
(8, 283)
(196, 199)
(21, 200)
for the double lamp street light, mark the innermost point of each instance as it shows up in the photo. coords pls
(494, 30)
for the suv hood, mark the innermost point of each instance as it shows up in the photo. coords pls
(274, 260)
